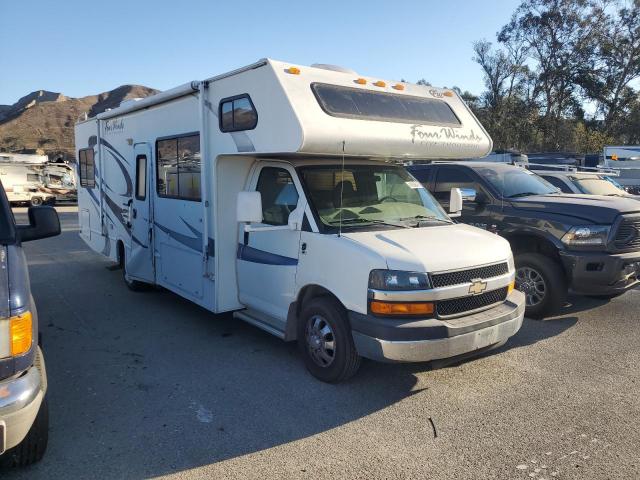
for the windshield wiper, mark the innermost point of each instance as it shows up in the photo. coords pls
(426, 218)
(351, 221)
(525, 194)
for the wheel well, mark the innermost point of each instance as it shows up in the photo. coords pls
(120, 251)
(533, 244)
(305, 295)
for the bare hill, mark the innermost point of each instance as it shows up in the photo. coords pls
(44, 120)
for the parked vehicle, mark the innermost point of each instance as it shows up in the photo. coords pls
(270, 191)
(626, 159)
(24, 414)
(589, 183)
(586, 243)
(513, 157)
(554, 160)
(23, 183)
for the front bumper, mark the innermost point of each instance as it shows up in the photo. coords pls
(20, 400)
(423, 340)
(597, 273)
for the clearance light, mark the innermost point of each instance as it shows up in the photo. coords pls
(448, 93)
(380, 83)
(512, 285)
(398, 86)
(21, 332)
(614, 157)
(293, 70)
(397, 308)
(360, 81)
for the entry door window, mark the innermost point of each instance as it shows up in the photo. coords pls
(279, 195)
(141, 177)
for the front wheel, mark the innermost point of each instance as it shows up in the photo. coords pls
(34, 445)
(325, 341)
(543, 283)
(35, 201)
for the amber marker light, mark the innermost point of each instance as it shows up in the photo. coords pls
(21, 332)
(293, 70)
(398, 86)
(400, 309)
(512, 286)
(380, 83)
(360, 81)
(448, 93)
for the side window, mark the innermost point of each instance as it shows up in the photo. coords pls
(448, 178)
(558, 183)
(237, 113)
(87, 168)
(141, 177)
(279, 195)
(178, 164)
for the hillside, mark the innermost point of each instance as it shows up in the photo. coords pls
(44, 120)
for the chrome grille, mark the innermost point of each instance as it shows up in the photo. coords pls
(456, 306)
(467, 276)
(628, 234)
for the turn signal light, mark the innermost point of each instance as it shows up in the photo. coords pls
(380, 83)
(360, 81)
(397, 308)
(21, 332)
(293, 70)
(512, 286)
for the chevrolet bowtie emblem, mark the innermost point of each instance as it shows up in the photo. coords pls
(477, 287)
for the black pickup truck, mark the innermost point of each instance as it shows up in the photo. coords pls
(587, 243)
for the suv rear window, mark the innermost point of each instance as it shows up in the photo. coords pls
(357, 103)
(7, 224)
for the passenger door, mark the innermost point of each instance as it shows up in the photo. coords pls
(267, 260)
(139, 258)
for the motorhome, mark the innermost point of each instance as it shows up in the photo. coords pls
(625, 159)
(24, 183)
(275, 191)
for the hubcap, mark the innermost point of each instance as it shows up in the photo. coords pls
(320, 341)
(531, 283)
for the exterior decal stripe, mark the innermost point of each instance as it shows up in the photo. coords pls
(253, 255)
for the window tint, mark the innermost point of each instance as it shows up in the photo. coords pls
(141, 177)
(237, 113)
(279, 195)
(556, 182)
(448, 178)
(363, 104)
(178, 164)
(87, 168)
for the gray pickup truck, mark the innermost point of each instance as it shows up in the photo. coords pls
(24, 416)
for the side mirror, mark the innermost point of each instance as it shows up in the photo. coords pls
(43, 223)
(249, 207)
(455, 203)
(468, 194)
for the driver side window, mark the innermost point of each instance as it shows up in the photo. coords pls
(279, 195)
(448, 178)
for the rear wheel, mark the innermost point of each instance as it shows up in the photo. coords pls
(34, 445)
(35, 201)
(543, 283)
(325, 341)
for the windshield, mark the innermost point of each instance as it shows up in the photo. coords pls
(512, 182)
(370, 195)
(597, 186)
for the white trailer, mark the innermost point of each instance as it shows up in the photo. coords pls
(271, 191)
(626, 160)
(24, 183)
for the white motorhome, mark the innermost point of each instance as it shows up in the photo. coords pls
(24, 183)
(626, 160)
(274, 191)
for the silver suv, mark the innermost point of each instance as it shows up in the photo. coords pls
(24, 416)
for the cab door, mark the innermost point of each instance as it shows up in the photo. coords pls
(139, 257)
(267, 260)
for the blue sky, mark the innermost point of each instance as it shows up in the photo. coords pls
(85, 47)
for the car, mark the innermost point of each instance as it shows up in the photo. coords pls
(24, 414)
(589, 183)
(586, 243)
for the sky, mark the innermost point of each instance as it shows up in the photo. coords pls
(87, 47)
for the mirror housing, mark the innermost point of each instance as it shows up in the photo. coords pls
(455, 203)
(43, 223)
(249, 207)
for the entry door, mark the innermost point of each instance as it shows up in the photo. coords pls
(140, 255)
(267, 260)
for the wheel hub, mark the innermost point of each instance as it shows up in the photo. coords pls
(320, 341)
(530, 282)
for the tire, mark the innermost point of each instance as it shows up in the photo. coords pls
(543, 282)
(35, 201)
(34, 445)
(323, 321)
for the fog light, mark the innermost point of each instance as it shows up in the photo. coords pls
(21, 332)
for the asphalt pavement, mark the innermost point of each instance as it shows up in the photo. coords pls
(146, 385)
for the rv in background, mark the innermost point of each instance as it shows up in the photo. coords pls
(274, 191)
(38, 183)
(626, 159)
(554, 160)
(512, 157)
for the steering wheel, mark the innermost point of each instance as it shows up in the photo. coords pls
(388, 197)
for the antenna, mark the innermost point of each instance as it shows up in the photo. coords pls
(341, 190)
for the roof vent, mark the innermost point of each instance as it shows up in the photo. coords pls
(333, 68)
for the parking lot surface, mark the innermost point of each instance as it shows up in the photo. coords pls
(146, 385)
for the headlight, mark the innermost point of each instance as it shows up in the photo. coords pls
(398, 280)
(587, 236)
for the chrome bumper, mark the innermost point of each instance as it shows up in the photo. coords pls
(505, 320)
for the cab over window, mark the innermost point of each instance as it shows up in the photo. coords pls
(279, 195)
(178, 164)
(237, 113)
